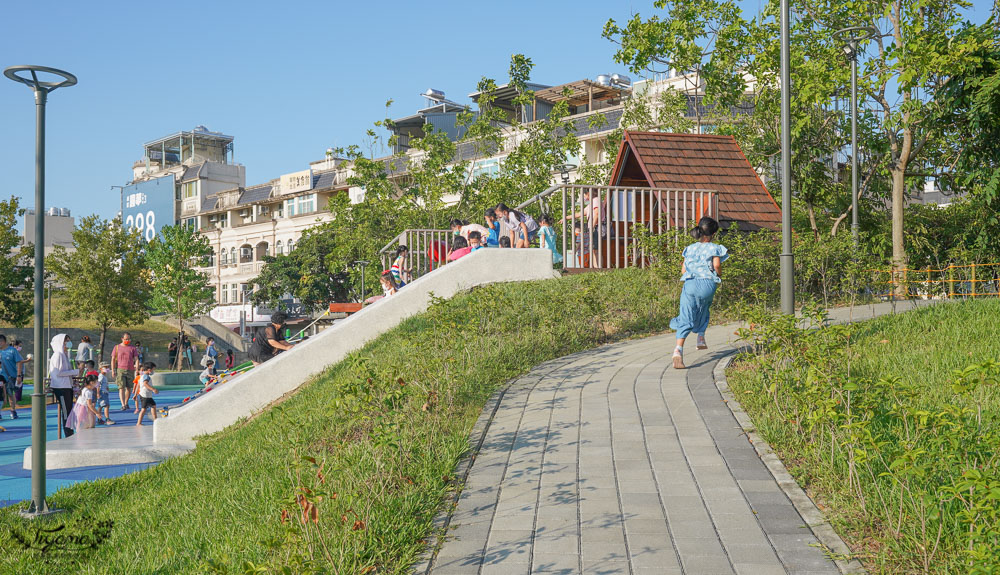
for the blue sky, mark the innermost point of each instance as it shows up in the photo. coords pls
(287, 83)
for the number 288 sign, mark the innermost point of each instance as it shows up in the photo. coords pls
(144, 223)
(148, 206)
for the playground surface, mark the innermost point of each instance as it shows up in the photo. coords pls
(15, 481)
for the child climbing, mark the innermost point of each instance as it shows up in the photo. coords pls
(84, 413)
(701, 274)
(547, 238)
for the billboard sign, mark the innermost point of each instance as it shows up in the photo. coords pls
(296, 182)
(148, 206)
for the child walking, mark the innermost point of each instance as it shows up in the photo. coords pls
(701, 273)
(146, 391)
(84, 413)
(104, 393)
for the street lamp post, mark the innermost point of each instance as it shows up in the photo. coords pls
(41, 89)
(364, 266)
(786, 258)
(852, 38)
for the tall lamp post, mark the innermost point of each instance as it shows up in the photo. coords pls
(785, 259)
(41, 89)
(852, 38)
(364, 266)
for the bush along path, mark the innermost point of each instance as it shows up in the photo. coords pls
(346, 475)
(894, 425)
(610, 461)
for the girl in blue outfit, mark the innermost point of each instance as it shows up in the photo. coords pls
(700, 273)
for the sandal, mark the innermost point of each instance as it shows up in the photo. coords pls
(702, 344)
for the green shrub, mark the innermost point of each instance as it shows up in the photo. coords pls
(893, 425)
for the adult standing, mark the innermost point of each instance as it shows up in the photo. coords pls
(188, 353)
(212, 354)
(172, 353)
(124, 358)
(61, 374)
(11, 373)
(84, 353)
(270, 341)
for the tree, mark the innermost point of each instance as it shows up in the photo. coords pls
(307, 273)
(178, 288)
(104, 279)
(921, 47)
(16, 267)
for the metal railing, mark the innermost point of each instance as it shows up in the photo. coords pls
(427, 250)
(952, 281)
(602, 226)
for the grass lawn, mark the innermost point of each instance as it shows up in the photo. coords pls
(899, 447)
(346, 475)
(152, 333)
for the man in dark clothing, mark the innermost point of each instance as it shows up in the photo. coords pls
(270, 341)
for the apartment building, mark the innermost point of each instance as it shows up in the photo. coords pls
(244, 225)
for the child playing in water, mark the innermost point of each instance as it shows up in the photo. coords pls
(84, 413)
(146, 391)
(700, 273)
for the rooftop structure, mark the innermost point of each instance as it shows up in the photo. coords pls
(193, 147)
(698, 161)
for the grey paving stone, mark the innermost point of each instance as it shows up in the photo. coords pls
(586, 452)
(714, 564)
(559, 564)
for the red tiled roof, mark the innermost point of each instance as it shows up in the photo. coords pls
(701, 161)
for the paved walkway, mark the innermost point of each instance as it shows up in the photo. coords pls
(610, 461)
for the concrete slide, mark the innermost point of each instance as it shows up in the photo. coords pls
(268, 382)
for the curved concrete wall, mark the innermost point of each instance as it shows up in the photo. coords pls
(266, 383)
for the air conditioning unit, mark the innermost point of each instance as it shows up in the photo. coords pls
(275, 215)
(213, 218)
(244, 213)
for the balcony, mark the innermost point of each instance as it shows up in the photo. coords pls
(189, 207)
(250, 268)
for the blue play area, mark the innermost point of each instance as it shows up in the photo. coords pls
(15, 481)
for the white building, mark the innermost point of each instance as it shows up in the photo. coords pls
(59, 226)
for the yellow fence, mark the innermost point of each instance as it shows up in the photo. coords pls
(972, 280)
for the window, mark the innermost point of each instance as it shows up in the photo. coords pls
(489, 168)
(279, 248)
(234, 295)
(307, 204)
(300, 205)
(191, 223)
(224, 292)
(189, 189)
(225, 257)
(291, 245)
(232, 255)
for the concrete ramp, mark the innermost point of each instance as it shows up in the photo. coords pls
(268, 382)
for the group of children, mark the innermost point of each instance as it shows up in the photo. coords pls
(522, 232)
(95, 397)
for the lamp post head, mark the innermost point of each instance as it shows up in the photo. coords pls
(853, 37)
(39, 85)
(564, 171)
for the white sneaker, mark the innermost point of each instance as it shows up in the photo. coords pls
(702, 344)
(679, 359)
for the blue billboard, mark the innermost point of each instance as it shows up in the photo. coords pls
(148, 206)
